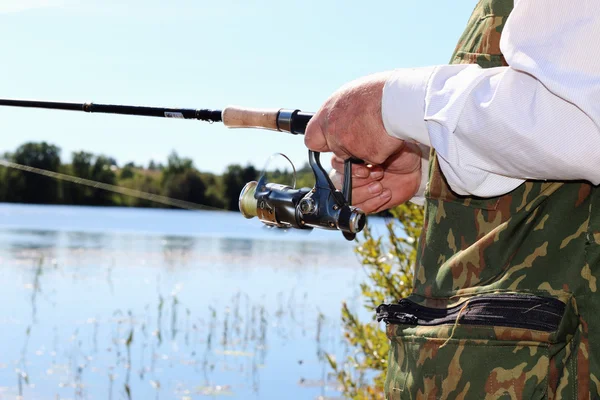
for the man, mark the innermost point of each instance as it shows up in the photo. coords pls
(503, 148)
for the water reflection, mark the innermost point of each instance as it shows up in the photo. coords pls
(87, 240)
(183, 243)
(31, 243)
(133, 316)
(240, 247)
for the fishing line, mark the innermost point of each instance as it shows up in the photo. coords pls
(111, 188)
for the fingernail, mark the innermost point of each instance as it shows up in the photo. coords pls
(374, 188)
(377, 174)
(362, 173)
(385, 194)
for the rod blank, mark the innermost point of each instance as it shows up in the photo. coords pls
(161, 112)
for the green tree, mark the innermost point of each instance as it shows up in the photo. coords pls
(142, 182)
(81, 167)
(180, 180)
(305, 177)
(82, 164)
(127, 172)
(4, 176)
(187, 185)
(27, 187)
(176, 165)
(214, 190)
(234, 180)
(249, 173)
(387, 261)
(103, 170)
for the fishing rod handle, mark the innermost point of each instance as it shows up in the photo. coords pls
(276, 119)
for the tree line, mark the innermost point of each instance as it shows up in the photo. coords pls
(179, 178)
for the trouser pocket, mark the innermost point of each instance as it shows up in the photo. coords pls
(495, 346)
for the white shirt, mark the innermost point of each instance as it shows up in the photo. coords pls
(538, 118)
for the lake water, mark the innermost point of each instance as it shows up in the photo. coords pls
(112, 303)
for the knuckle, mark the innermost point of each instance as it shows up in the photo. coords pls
(335, 161)
(308, 139)
(378, 158)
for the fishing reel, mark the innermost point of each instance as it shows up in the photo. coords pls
(323, 206)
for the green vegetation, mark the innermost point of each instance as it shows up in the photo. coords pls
(387, 263)
(178, 179)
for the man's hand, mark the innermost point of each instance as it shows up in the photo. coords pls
(349, 124)
(378, 188)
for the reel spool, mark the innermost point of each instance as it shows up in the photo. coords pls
(323, 206)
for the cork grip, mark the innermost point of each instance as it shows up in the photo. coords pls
(238, 117)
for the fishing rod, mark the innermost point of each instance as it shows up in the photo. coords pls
(322, 206)
(291, 121)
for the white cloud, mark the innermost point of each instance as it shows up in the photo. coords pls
(13, 6)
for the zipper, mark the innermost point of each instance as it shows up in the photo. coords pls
(515, 311)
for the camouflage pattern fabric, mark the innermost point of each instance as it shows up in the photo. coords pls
(542, 240)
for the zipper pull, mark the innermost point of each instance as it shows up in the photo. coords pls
(406, 319)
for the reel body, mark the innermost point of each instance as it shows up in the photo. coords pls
(323, 206)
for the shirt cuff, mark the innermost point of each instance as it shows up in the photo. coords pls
(403, 104)
(419, 197)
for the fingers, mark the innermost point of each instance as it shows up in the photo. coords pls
(361, 187)
(367, 193)
(365, 190)
(375, 203)
(361, 173)
(365, 179)
(397, 189)
(375, 195)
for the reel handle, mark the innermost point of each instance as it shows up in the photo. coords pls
(347, 185)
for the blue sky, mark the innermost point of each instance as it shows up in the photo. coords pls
(200, 54)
